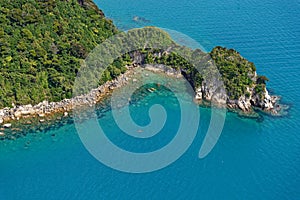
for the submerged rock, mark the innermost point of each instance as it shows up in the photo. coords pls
(140, 19)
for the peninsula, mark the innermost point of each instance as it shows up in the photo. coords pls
(43, 44)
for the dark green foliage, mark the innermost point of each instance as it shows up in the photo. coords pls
(261, 80)
(115, 69)
(259, 88)
(112, 53)
(237, 72)
(176, 62)
(42, 44)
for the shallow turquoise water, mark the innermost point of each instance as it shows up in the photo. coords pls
(250, 161)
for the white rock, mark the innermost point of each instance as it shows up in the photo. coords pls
(199, 90)
(66, 114)
(27, 112)
(28, 106)
(199, 96)
(2, 134)
(17, 114)
(7, 125)
(268, 105)
(1, 120)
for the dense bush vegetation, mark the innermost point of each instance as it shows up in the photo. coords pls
(42, 43)
(177, 62)
(237, 72)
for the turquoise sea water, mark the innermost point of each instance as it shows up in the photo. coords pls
(252, 160)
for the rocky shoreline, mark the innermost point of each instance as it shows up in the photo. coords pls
(205, 95)
(43, 111)
(46, 109)
(269, 104)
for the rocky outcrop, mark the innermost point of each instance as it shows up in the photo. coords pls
(211, 90)
(245, 90)
(263, 101)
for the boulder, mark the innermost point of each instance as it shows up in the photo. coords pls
(198, 94)
(18, 114)
(268, 105)
(7, 125)
(41, 115)
(244, 104)
(28, 112)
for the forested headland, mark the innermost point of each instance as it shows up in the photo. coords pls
(44, 42)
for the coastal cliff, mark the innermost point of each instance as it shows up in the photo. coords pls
(245, 90)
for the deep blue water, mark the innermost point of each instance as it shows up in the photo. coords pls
(252, 160)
